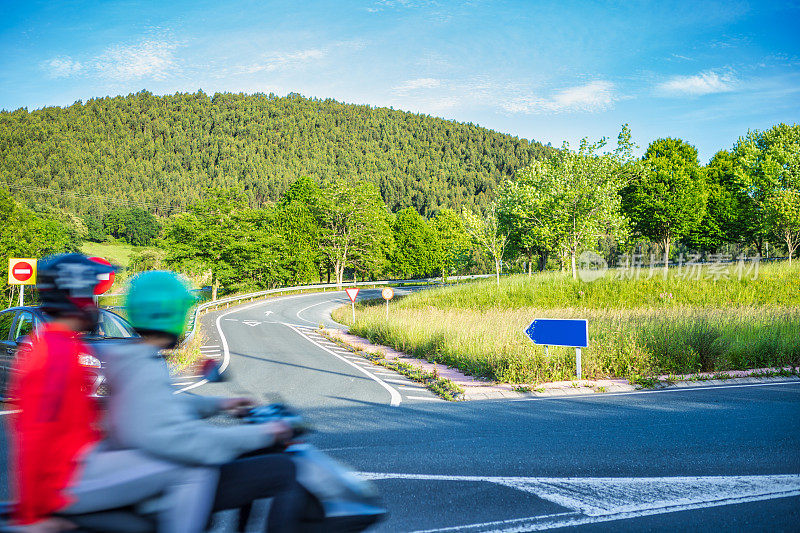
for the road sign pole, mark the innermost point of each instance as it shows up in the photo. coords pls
(545, 350)
(578, 362)
(21, 295)
(353, 305)
(387, 310)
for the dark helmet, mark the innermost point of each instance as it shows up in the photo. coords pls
(66, 284)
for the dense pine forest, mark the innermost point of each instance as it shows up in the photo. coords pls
(163, 152)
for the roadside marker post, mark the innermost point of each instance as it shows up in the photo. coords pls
(21, 271)
(561, 332)
(352, 293)
(388, 294)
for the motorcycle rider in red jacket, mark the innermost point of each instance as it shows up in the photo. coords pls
(60, 463)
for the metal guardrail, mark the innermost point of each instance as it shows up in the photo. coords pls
(299, 288)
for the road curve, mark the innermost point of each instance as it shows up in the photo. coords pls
(717, 458)
(708, 458)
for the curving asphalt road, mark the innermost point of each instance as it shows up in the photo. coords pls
(725, 458)
(722, 458)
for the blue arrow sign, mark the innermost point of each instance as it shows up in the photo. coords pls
(559, 332)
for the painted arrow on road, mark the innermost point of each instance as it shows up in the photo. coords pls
(251, 323)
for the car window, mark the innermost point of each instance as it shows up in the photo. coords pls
(110, 325)
(6, 320)
(24, 325)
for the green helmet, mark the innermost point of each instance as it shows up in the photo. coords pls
(159, 301)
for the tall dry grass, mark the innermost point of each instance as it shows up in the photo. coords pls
(635, 328)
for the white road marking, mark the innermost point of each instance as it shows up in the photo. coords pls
(679, 389)
(400, 381)
(594, 500)
(210, 346)
(181, 383)
(11, 412)
(251, 323)
(313, 305)
(427, 398)
(495, 523)
(395, 396)
(226, 354)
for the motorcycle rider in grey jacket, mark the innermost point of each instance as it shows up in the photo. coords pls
(145, 414)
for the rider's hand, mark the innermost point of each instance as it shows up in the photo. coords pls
(237, 406)
(281, 431)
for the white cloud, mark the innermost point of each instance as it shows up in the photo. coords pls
(416, 84)
(62, 67)
(147, 59)
(592, 97)
(706, 82)
(279, 61)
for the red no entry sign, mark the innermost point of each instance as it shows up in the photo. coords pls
(21, 271)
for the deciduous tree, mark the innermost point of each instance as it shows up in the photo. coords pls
(668, 200)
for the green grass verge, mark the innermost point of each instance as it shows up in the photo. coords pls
(636, 330)
(118, 253)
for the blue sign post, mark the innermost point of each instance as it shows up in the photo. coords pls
(560, 332)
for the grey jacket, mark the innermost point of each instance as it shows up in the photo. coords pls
(143, 412)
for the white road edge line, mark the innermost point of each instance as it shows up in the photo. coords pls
(395, 396)
(310, 306)
(679, 389)
(226, 356)
(426, 398)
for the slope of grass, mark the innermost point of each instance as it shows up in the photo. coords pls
(118, 253)
(636, 329)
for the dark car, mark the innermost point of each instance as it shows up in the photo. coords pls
(17, 323)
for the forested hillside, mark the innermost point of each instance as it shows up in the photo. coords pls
(164, 151)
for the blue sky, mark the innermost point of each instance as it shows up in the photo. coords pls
(551, 71)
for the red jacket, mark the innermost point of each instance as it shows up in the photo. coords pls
(57, 422)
